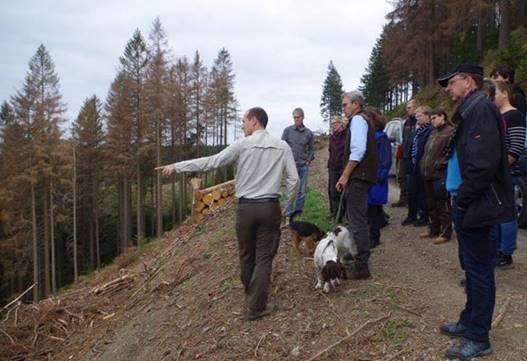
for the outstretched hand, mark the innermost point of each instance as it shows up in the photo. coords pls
(166, 169)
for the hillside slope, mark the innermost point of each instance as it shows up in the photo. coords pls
(182, 300)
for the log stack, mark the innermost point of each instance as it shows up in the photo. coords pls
(206, 200)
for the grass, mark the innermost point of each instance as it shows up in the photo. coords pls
(227, 284)
(186, 284)
(316, 210)
(395, 331)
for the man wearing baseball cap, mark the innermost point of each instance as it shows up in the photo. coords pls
(479, 183)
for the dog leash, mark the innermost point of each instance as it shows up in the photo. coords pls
(339, 209)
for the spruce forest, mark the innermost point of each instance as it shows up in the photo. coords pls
(75, 193)
(425, 39)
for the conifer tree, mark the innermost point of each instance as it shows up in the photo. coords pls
(134, 63)
(331, 100)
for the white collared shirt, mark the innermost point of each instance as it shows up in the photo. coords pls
(261, 160)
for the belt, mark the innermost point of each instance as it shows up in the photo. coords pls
(258, 200)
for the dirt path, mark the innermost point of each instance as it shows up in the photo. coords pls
(433, 271)
(192, 309)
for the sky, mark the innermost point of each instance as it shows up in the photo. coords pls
(280, 49)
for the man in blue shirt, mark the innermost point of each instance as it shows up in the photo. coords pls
(360, 173)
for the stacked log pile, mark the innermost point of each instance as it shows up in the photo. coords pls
(208, 199)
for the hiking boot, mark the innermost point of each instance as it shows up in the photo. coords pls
(453, 329)
(441, 240)
(468, 349)
(254, 315)
(504, 261)
(421, 222)
(408, 221)
(359, 274)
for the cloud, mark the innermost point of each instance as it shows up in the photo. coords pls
(280, 49)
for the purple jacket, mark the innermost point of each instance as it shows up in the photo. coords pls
(337, 142)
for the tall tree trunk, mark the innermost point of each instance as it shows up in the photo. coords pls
(482, 31)
(505, 24)
(159, 192)
(47, 273)
(139, 213)
(36, 289)
(95, 215)
(75, 260)
(52, 237)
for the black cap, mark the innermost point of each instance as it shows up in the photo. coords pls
(466, 68)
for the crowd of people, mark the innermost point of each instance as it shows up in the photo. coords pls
(454, 174)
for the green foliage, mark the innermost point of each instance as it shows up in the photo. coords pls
(330, 103)
(316, 210)
(374, 83)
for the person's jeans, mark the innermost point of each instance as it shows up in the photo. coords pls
(507, 233)
(301, 196)
(477, 254)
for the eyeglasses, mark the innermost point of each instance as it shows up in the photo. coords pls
(297, 117)
(344, 104)
(455, 79)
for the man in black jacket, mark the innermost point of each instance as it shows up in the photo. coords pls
(479, 182)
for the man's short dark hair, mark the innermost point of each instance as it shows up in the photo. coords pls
(259, 114)
(505, 71)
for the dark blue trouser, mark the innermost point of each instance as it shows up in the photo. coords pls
(477, 253)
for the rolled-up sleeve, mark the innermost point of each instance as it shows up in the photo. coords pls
(292, 181)
(227, 156)
(358, 138)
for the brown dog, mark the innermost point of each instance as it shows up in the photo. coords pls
(305, 232)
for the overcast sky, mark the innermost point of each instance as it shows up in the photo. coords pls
(280, 49)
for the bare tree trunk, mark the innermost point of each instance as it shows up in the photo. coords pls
(36, 293)
(75, 263)
(47, 278)
(159, 186)
(95, 216)
(505, 24)
(52, 236)
(139, 192)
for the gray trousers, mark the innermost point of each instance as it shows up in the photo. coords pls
(356, 208)
(258, 232)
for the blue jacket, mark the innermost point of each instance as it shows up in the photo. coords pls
(378, 193)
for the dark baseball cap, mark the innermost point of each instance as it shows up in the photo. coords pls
(466, 68)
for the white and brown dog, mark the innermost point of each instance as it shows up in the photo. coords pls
(327, 263)
(329, 257)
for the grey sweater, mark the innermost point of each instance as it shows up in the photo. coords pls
(301, 142)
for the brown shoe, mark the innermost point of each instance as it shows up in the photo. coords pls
(441, 240)
(254, 315)
(426, 234)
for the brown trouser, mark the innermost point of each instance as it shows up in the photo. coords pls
(258, 231)
(439, 212)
